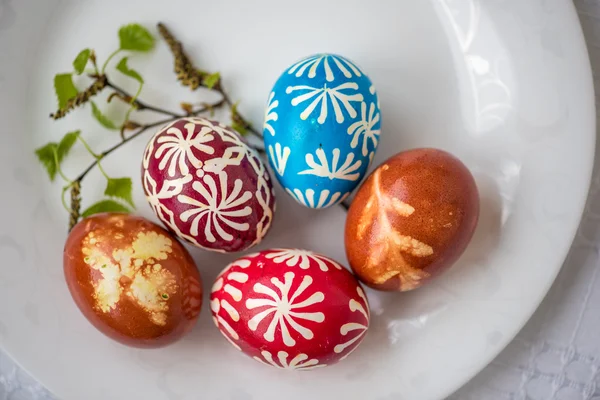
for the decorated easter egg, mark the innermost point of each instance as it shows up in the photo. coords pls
(132, 280)
(321, 129)
(290, 309)
(411, 219)
(207, 186)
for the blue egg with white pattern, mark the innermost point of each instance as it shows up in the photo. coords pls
(321, 130)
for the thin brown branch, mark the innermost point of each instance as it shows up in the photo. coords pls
(140, 105)
(142, 129)
(94, 61)
(187, 74)
(254, 131)
(345, 204)
(192, 77)
(236, 116)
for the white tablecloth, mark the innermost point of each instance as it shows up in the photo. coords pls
(555, 357)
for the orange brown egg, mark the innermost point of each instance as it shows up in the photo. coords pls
(132, 280)
(411, 219)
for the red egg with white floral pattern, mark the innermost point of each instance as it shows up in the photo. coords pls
(290, 309)
(207, 186)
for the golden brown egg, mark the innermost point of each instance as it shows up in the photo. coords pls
(411, 219)
(132, 280)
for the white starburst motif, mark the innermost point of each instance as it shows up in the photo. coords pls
(271, 114)
(355, 326)
(300, 362)
(219, 207)
(302, 258)
(285, 309)
(320, 97)
(323, 201)
(279, 157)
(233, 156)
(365, 127)
(311, 64)
(346, 171)
(175, 148)
(228, 282)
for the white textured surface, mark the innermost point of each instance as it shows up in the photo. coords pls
(556, 356)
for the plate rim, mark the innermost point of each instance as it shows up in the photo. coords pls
(582, 200)
(589, 174)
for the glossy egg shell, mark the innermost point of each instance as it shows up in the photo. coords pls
(291, 309)
(207, 186)
(411, 219)
(321, 130)
(132, 280)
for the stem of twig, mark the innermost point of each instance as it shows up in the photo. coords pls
(114, 53)
(254, 132)
(99, 164)
(248, 126)
(94, 62)
(140, 105)
(58, 169)
(133, 102)
(345, 204)
(190, 76)
(141, 130)
(63, 200)
(132, 107)
(87, 147)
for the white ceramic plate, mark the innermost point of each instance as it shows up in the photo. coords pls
(505, 85)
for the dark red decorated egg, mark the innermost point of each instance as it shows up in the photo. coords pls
(290, 309)
(132, 280)
(207, 186)
(411, 219)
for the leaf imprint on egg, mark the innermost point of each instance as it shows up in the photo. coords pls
(389, 243)
(133, 271)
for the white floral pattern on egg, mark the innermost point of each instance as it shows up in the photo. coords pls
(321, 130)
(207, 186)
(290, 309)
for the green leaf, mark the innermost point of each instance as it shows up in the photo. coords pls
(105, 206)
(81, 61)
(66, 144)
(103, 119)
(46, 156)
(211, 80)
(120, 188)
(64, 88)
(136, 38)
(241, 129)
(123, 68)
(46, 153)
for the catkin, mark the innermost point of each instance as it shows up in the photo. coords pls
(81, 97)
(75, 204)
(186, 73)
